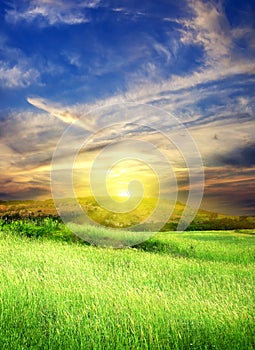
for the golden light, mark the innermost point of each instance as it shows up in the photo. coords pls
(124, 194)
(117, 180)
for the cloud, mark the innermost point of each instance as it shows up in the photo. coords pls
(163, 50)
(25, 145)
(55, 110)
(210, 28)
(27, 141)
(18, 75)
(218, 128)
(51, 12)
(16, 69)
(81, 117)
(133, 13)
(24, 192)
(230, 190)
(221, 60)
(72, 58)
(239, 157)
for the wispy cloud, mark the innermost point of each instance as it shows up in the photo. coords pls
(16, 69)
(55, 110)
(163, 50)
(27, 142)
(51, 12)
(18, 75)
(207, 28)
(132, 13)
(210, 28)
(81, 116)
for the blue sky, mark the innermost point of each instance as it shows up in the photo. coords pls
(195, 59)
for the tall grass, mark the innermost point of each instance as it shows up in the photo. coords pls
(175, 291)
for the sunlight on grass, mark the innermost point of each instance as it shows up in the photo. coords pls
(175, 291)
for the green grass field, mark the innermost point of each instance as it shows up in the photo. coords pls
(175, 291)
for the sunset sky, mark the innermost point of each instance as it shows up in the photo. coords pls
(60, 60)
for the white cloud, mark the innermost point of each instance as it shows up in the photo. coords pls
(118, 9)
(211, 74)
(68, 115)
(63, 114)
(132, 13)
(73, 58)
(18, 75)
(208, 27)
(16, 69)
(49, 12)
(163, 50)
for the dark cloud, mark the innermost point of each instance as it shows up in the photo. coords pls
(239, 157)
(26, 193)
(224, 119)
(231, 201)
(230, 190)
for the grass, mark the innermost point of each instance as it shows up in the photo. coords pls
(175, 291)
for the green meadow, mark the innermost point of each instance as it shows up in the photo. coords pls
(192, 290)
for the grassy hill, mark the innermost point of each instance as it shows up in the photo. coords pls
(204, 220)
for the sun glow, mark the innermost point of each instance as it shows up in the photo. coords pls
(124, 194)
(125, 181)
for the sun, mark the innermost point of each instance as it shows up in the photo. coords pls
(124, 194)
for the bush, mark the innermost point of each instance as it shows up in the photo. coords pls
(36, 227)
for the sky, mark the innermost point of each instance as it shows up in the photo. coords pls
(64, 62)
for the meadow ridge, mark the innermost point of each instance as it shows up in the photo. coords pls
(204, 220)
(192, 290)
